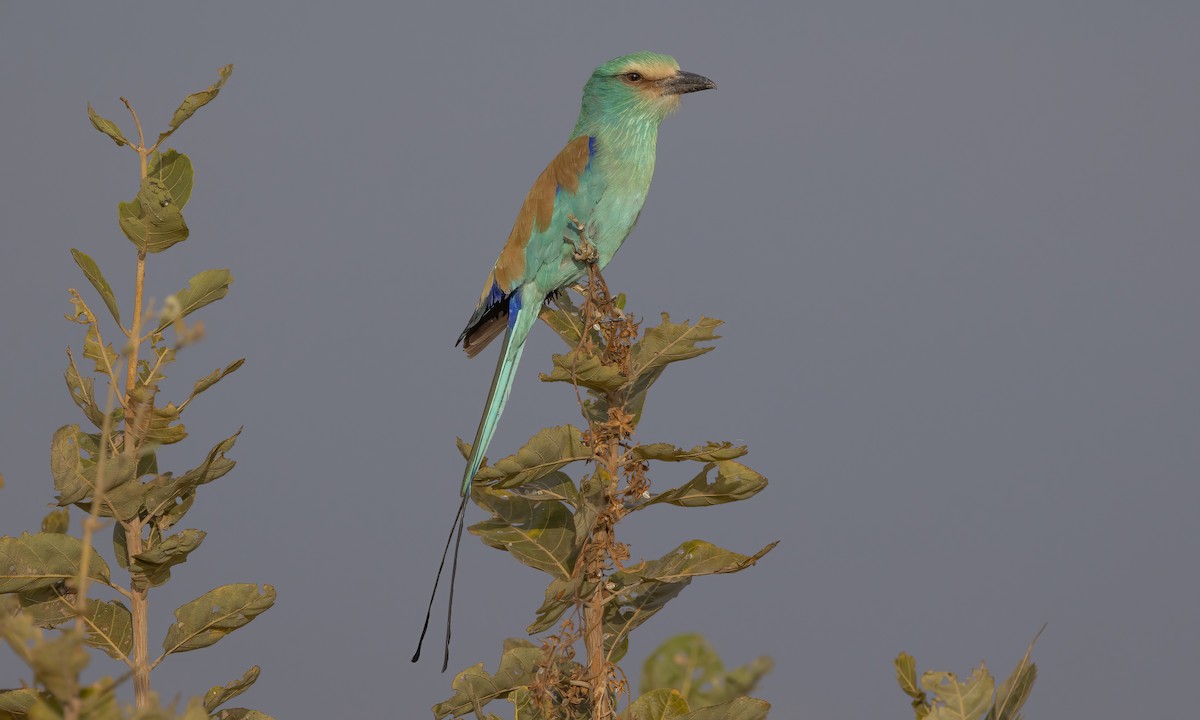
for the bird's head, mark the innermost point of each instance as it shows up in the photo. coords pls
(642, 86)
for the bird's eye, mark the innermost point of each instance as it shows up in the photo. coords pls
(633, 77)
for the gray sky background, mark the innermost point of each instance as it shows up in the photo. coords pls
(954, 244)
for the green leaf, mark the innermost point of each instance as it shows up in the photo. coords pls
(734, 482)
(683, 662)
(671, 342)
(57, 663)
(661, 704)
(566, 320)
(213, 378)
(538, 534)
(586, 371)
(555, 486)
(120, 546)
(92, 272)
(956, 700)
(82, 390)
(175, 171)
(104, 357)
(708, 452)
(560, 596)
(75, 477)
(17, 629)
(549, 450)
(167, 492)
(743, 708)
(206, 287)
(218, 696)
(1015, 690)
(108, 625)
(215, 614)
(32, 562)
(17, 702)
(906, 677)
(695, 558)
(160, 430)
(108, 127)
(57, 521)
(157, 562)
(195, 101)
(689, 664)
(152, 221)
(240, 714)
(99, 702)
(474, 688)
(66, 467)
(636, 603)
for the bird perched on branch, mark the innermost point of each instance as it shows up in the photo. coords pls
(589, 195)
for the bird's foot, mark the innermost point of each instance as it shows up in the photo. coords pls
(585, 252)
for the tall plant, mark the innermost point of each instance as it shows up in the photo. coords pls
(110, 471)
(597, 595)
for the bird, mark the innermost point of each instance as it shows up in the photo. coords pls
(593, 189)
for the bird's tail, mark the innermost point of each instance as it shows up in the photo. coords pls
(521, 319)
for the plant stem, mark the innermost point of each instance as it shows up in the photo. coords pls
(139, 589)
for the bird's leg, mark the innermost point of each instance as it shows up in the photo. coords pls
(585, 252)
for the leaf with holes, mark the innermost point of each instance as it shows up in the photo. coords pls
(175, 171)
(215, 614)
(32, 562)
(152, 221)
(954, 700)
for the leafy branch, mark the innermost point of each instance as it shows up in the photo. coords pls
(112, 474)
(568, 529)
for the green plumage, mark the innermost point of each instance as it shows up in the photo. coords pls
(623, 104)
(601, 179)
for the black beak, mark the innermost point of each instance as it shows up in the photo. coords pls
(686, 82)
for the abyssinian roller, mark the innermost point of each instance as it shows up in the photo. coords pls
(600, 180)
